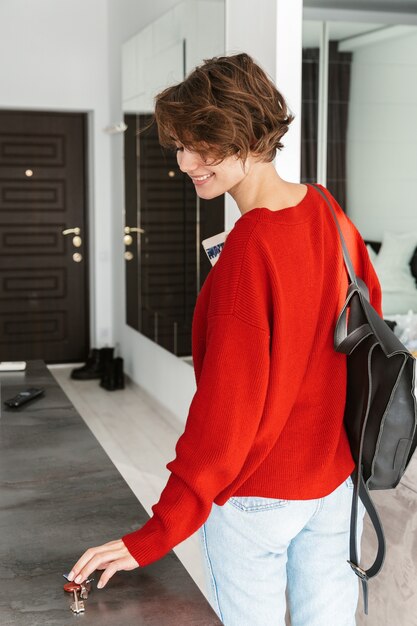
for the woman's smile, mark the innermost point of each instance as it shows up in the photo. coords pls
(200, 180)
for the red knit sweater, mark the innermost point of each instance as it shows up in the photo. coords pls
(267, 416)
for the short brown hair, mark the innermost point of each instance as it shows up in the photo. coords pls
(226, 106)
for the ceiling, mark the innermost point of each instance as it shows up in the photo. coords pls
(338, 31)
(389, 6)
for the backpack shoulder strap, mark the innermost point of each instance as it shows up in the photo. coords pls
(346, 256)
(361, 490)
(345, 342)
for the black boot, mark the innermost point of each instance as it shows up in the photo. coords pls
(113, 376)
(95, 364)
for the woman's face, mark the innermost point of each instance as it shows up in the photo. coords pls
(211, 181)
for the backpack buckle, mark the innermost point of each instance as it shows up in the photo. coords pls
(358, 571)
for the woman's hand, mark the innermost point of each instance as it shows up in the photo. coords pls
(112, 557)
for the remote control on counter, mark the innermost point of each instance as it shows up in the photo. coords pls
(24, 396)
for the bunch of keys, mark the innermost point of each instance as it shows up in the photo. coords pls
(83, 589)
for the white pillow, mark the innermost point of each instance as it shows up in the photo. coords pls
(399, 292)
(392, 264)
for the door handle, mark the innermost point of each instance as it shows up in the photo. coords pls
(75, 230)
(76, 240)
(128, 239)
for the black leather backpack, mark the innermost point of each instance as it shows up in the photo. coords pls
(380, 413)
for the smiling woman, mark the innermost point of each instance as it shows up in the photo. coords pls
(263, 428)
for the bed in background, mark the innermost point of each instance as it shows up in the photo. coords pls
(395, 262)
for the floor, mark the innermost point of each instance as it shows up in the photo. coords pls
(139, 436)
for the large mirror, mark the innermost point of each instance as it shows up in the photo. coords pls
(165, 221)
(359, 124)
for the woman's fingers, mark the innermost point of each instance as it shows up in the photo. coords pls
(97, 562)
(97, 558)
(88, 554)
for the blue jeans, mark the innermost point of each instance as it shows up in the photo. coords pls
(258, 549)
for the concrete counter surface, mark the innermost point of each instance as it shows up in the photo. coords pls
(60, 494)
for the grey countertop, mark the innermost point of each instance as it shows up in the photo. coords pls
(59, 494)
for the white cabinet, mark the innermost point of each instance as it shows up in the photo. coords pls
(170, 47)
(136, 57)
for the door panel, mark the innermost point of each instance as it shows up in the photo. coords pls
(43, 288)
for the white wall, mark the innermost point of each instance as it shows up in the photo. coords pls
(53, 57)
(381, 140)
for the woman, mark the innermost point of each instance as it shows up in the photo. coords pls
(263, 466)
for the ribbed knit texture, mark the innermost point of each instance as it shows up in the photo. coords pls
(267, 416)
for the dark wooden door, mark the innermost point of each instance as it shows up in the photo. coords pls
(43, 273)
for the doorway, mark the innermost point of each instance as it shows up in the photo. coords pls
(44, 304)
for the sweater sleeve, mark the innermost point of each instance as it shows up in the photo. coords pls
(224, 414)
(222, 422)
